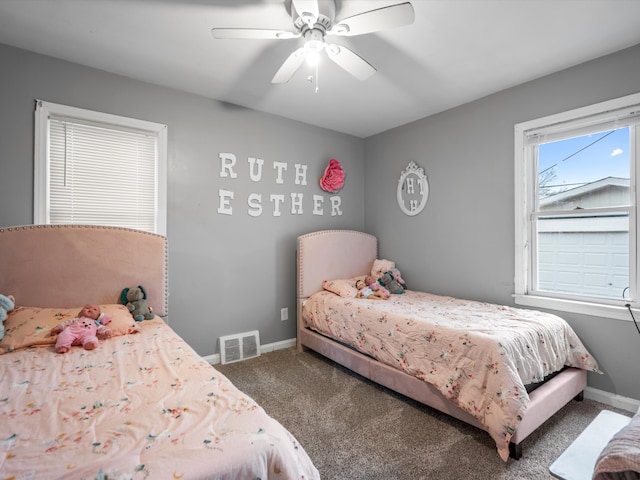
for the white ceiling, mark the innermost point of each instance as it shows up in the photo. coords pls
(456, 51)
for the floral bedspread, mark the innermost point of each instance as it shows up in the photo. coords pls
(478, 355)
(139, 406)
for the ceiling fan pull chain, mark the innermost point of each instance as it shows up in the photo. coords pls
(317, 86)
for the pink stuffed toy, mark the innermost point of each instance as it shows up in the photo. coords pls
(398, 277)
(372, 282)
(83, 330)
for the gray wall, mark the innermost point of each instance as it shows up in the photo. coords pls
(227, 273)
(233, 273)
(462, 244)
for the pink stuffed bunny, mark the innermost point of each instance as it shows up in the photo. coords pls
(83, 330)
(398, 277)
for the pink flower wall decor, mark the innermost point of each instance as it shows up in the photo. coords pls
(332, 179)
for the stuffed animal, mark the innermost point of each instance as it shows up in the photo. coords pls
(390, 283)
(380, 266)
(83, 330)
(135, 299)
(372, 282)
(366, 291)
(7, 303)
(398, 277)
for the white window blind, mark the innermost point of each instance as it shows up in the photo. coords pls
(100, 172)
(610, 120)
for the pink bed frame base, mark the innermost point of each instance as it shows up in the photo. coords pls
(332, 254)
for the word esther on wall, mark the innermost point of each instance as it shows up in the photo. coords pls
(294, 202)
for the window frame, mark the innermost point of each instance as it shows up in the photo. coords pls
(525, 182)
(41, 194)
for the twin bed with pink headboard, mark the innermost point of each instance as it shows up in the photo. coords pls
(145, 405)
(141, 405)
(471, 360)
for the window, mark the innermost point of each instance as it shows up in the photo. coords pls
(576, 209)
(99, 169)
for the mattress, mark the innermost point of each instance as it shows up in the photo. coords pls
(142, 405)
(478, 355)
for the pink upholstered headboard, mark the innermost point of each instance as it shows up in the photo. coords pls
(71, 265)
(332, 254)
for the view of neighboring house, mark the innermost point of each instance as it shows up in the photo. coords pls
(588, 253)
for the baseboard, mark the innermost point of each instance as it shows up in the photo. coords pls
(269, 347)
(618, 401)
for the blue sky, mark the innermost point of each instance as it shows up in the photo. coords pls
(579, 160)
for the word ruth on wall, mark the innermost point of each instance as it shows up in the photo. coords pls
(256, 203)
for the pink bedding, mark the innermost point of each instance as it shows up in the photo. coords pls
(478, 355)
(141, 405)
(620, 458)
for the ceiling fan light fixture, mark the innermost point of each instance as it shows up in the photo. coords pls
(313, 49)
(312, 19)
(313, 46)
(313, 58)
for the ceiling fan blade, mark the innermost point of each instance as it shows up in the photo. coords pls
(350, 61)
(375, 20)
(290, 66)
(308, 10)
(252, 33)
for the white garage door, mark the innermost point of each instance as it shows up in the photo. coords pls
(586, 263)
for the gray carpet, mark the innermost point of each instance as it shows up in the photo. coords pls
(354, 429)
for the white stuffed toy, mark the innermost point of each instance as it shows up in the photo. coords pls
(380, 266)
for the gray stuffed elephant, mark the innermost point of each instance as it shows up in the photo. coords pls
(388, 281)
(135, 299)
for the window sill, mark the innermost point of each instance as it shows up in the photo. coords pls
(574, 306)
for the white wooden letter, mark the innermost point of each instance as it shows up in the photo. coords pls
(277, 200)
(335, 206)
(225, 197)
(296, 203)
(409, 182)
(227, 162)
(318, 200)
(301, 174)
(255, 204)
(255, 176)
(279, 167)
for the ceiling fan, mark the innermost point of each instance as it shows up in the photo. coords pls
(312, 20)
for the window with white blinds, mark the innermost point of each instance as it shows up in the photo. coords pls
(99, 169)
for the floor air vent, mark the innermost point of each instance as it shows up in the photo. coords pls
(241, 346)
